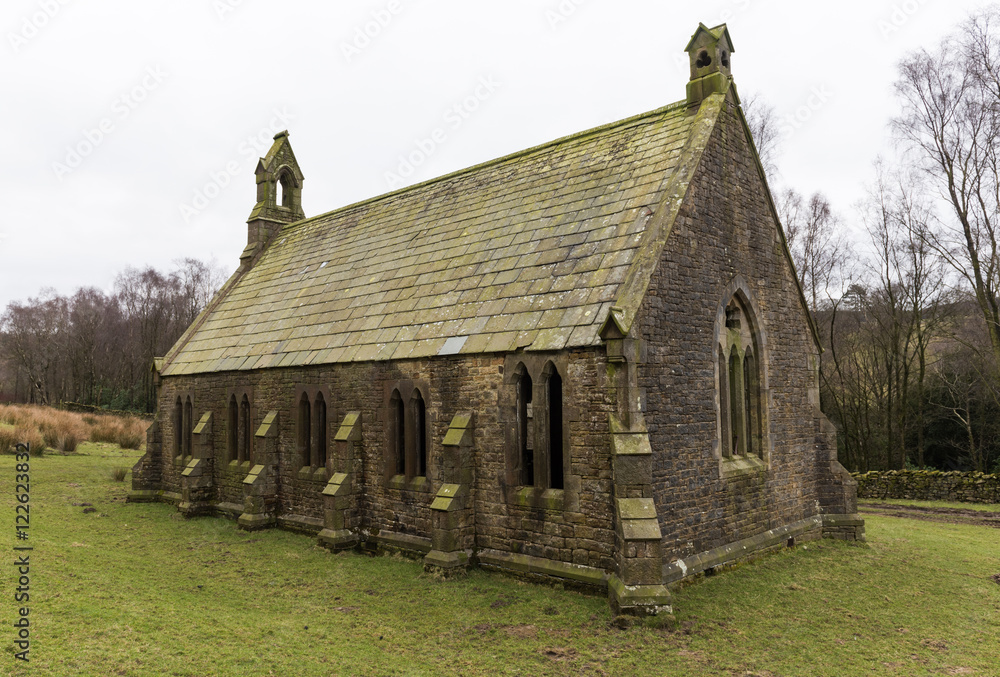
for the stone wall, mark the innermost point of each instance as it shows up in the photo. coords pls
(929, 485)
(573, 525)
(726, 241)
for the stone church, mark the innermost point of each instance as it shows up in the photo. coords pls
(588, 361)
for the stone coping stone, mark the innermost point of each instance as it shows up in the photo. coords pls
(398, 541)
(526, 564)
(738, 550)
(226, 509)
(301, 523)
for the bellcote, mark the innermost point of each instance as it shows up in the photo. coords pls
(279, 194)
(709, 51)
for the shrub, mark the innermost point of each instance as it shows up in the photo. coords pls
(29, 436)
(65, 430)
(118, 474)
(15, 416)
(105, 430)
(8, 439)
(50, 435)
(132, 434)
(68, 442)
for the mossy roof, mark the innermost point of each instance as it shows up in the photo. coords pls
(528, 252)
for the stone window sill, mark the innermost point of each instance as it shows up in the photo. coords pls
(419, 483)
(239, 468)
(313, 474)
(535, 497)
(738, 466)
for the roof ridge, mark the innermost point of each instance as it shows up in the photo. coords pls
(489, 163)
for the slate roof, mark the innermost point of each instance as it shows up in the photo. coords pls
(530, 252)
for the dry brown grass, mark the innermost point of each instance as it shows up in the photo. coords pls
(64, 430)
(8, 439)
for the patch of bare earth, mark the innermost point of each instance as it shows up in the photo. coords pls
(522, 631)
(559, 654)
(948, 515)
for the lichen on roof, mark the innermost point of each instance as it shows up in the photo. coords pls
(527, 252)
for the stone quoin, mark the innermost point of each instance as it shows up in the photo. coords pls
(588, 361)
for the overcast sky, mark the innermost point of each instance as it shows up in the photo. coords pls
(132, 128)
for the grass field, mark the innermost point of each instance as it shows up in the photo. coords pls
(137, 590)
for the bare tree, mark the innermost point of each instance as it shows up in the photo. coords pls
(951, 121)
(34, 334)
(198, 283)
(97, 348)
(763, 123)
(819, 246)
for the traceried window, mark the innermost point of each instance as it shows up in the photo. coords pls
(740, 403)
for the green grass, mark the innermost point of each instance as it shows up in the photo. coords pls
(981, 507)
(138, 590)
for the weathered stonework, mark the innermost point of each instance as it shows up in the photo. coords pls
(590, 361)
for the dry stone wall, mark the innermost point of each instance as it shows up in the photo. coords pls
(929, 485)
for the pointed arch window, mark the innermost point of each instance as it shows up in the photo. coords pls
(319, 431)
(188, 426)
(178, 423)
(525, 428)
(407, 450)
(246, 433)
(304, 425)
(755, 415)
(554, 402)
(741, 413)
(233, 430)
(311, 427)
(397, 433)
(418, 412)
(284, 187)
